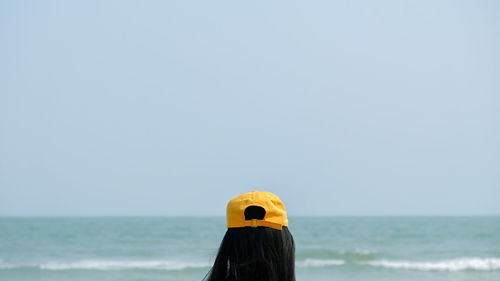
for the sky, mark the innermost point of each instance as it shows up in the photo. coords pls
(171, 108)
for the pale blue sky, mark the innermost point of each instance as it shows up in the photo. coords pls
(174, 107)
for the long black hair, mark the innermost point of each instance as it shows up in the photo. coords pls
(254, 253)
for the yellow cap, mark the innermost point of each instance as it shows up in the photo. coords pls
(275, 216)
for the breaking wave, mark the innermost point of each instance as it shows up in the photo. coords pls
(460, 264)
(112, 265)
(347, 255)
(120, 265)
(318, 263)
(483, 264)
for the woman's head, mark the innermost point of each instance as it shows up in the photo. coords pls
(257, 245)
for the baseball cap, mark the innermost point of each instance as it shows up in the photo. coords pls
(275, 213)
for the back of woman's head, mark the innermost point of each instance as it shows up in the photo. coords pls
(255, 253)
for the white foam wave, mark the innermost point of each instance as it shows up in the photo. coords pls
(319, 262)
(121, 265)
(479, 264)
(444, 265)
(147, 265)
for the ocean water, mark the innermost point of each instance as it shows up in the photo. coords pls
(337, 248)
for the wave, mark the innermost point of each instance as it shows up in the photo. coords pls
(120, 265)
(146, 265)
(483, 264)
(349, 255)
(318, 263)
(112, 265)
(7, 266)
(460, 264)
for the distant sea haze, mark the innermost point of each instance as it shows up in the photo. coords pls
(343, 248)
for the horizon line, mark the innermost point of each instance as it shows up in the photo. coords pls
(223, 216)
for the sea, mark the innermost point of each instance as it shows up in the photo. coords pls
(184, 248)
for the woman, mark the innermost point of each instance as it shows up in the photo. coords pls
(257, 245)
